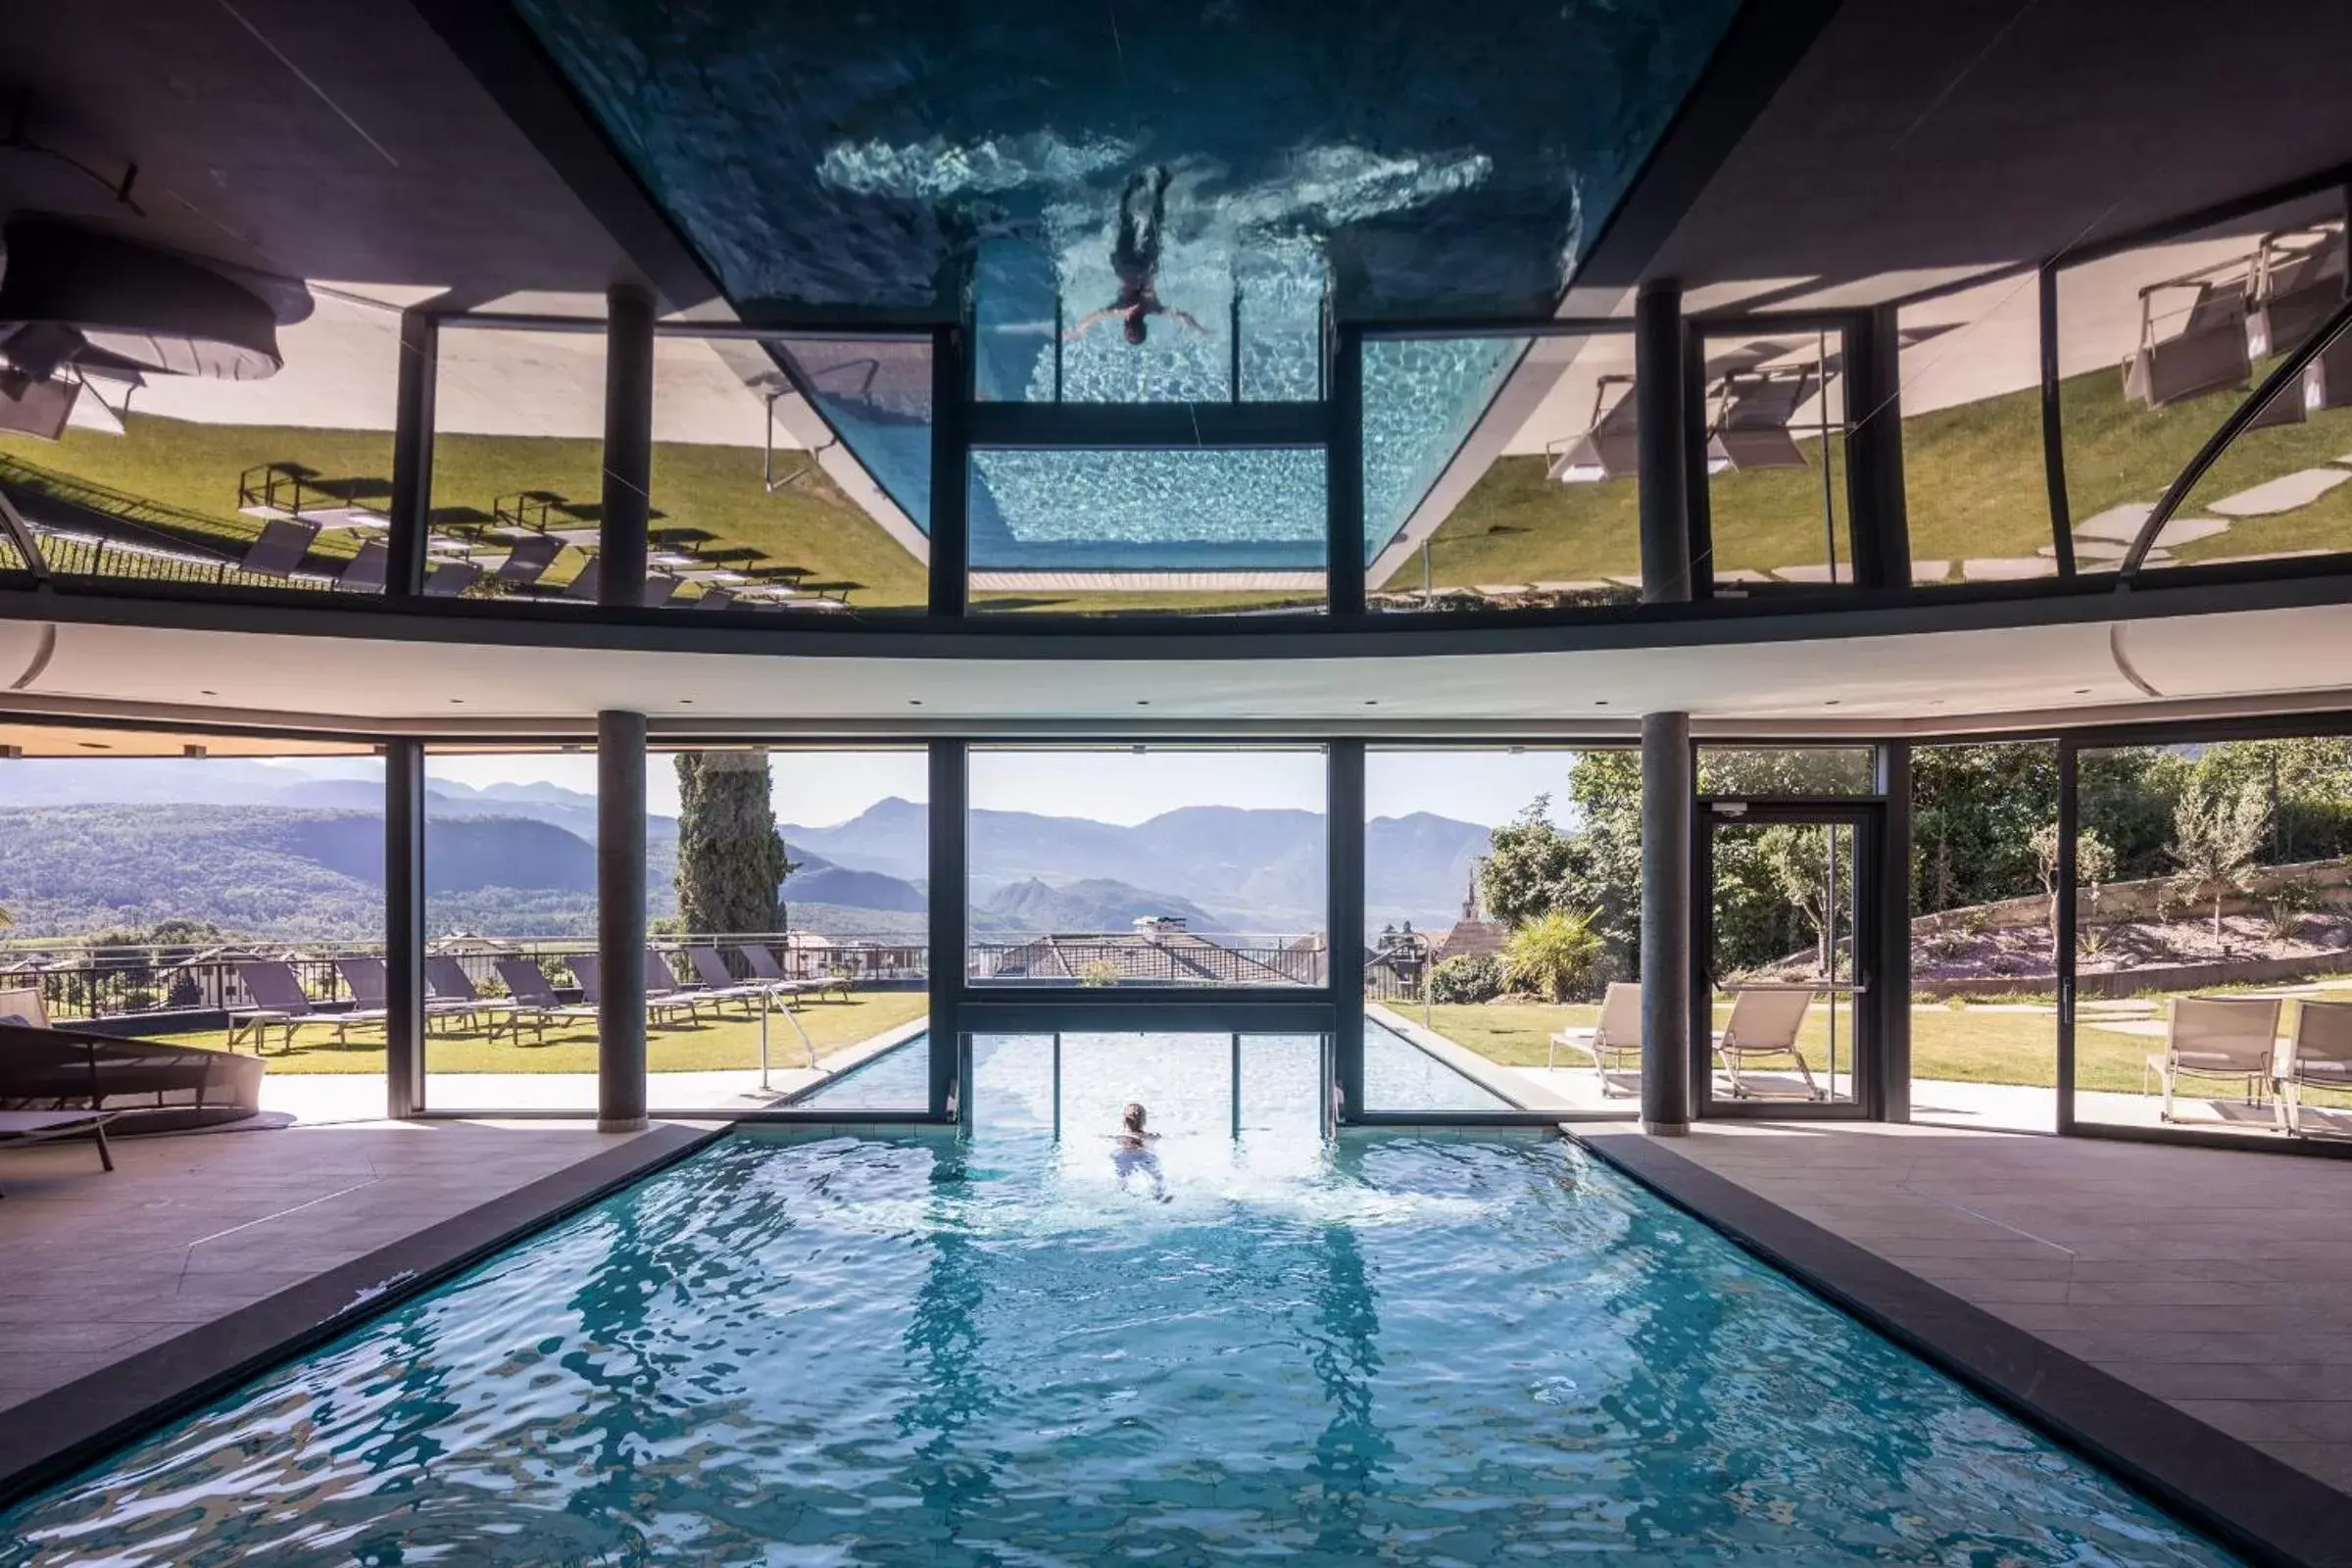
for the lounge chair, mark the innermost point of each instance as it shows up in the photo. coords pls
(528, 560)
(1610, 448)
(2227, 1039)
(1752, 431)
(280, 1002)
(24, 1006)
(367, 570)
(448, 983)
(588, 586)
(370, 988)
(1614, 1043)
(719, 986)
(763, 966)
(1763, 1024)
(32, 1126)
(150, 1086)
(663, 1002)
(2318, 1055)
(2298, 282)
(2207, 355)
(536, 1003)
(280, 552)
(449, 578)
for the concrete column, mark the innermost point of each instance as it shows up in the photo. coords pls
(1874, 450)
(1344, 866)
(403, 928)
(628, 446)
(620, 921)
(1667, 1043)
(1665, 481)
(411, 455)
(1890, 909)
(949, 896)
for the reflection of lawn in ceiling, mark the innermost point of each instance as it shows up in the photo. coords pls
(711, 489)
(1106, 601)
(1973, 479)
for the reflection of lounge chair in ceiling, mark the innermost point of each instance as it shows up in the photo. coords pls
(2298, 283)
(1753, 429)
(1610, 448)
(280, 548)
(366, 571)
(528, 559)
(2208, 354)
(660, 586)
(449, 578)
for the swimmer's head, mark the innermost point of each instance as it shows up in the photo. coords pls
(1134, 330)
(1133, 1117)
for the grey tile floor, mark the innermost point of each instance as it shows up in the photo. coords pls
(95, 1267)
(2218, 1281)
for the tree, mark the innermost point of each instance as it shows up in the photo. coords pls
(2216, 836)
(731, 863)
(2094, 863)
(1798, 859)
(1527, 859)
(1557, 953)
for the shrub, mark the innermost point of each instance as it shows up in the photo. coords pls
(1466, 977)
(1099, 972)
(1557, 955)
(2284, 904)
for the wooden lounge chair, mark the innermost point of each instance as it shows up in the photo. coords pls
(2318, 1056)
(2230, 1040)
(280, 1002)
(1614, 1042)
(1763, 1024)
(535, 1004)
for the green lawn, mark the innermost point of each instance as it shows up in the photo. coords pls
(1968, 1045)
(731, 1044)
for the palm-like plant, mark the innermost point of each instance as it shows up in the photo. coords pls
(1557, 953)
(2216, 838)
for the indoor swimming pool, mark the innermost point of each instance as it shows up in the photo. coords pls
(923, 1348)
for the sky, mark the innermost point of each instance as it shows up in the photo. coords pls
(818, 789)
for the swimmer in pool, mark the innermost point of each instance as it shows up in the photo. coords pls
(1136, 261)
(1131, 1152)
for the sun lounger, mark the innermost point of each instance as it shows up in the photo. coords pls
(152, 1087)
(2318, 1055)
(449, 578)
(2233, 1040)
(588, 586)
(536, 1003)
(662, 1004)
(1763, 1025)
(1614, 1042)
(720, 985)
(452, 990)
(1753, 429)
(370, 989)
(280, 550)
(762, 961)
(280, 1002)
(24, 1006)
(2207, 355)
(1610, 448)
(32, 1126)
(528, 560)
(367, 570)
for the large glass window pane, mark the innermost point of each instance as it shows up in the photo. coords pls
(1983, 950)
(1502, 895)
(1780, 964)
(1761, 770)
(272, 476)
(1147, 867)
(1499, 472)
(2158, 345)
(517, 493)
(757, 506)
(1974, 489)
(200, 904)
(2212, 953)
(510, 929)
(1128, 530)
(1776, 464)
(789, 905)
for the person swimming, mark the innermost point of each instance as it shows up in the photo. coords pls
(1131, 1152)
(1135, 258)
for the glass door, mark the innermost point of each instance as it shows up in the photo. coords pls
(1783, 1008)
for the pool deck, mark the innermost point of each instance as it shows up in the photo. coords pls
(2213, 1281)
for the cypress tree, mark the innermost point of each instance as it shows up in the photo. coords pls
(731, 863)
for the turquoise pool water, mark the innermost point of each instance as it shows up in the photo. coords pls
(919, 1351)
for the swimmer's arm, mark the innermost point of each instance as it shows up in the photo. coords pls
(1086, 325)
(1186, 318)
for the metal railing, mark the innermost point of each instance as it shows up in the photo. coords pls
(1174, 959)
(87, 984)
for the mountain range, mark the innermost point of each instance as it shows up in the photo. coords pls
(110, 843)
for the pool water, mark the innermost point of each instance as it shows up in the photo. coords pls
(916, 1349)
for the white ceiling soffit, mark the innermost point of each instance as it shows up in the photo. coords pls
(2071, 674)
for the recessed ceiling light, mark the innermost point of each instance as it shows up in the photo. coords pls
(914, 702)
(1832, 702)
(2082, 691)
(1601, 702)
(207, 694)
(1371, 702)
(457, 702)
(94, 746)
(1142, 702)
(685, 702)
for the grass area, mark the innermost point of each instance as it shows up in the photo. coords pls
(1967, 1045)
(1078, 602)
(714, 491)
(733, 1043)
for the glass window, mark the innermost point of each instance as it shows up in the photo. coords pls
(1142, 866)
(1983, 951)
(1145, 531)
(262, 938)
(2212, 949)
(1502, 904)
(2157, 346)
(770, 495)
(518, 463)
(1499, 472)
(277, 475)
(789, 908)
(1975, 488)
(1786, 770)
(1776, 464)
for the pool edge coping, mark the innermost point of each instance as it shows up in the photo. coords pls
(50, 1437)
(2263, 1508)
